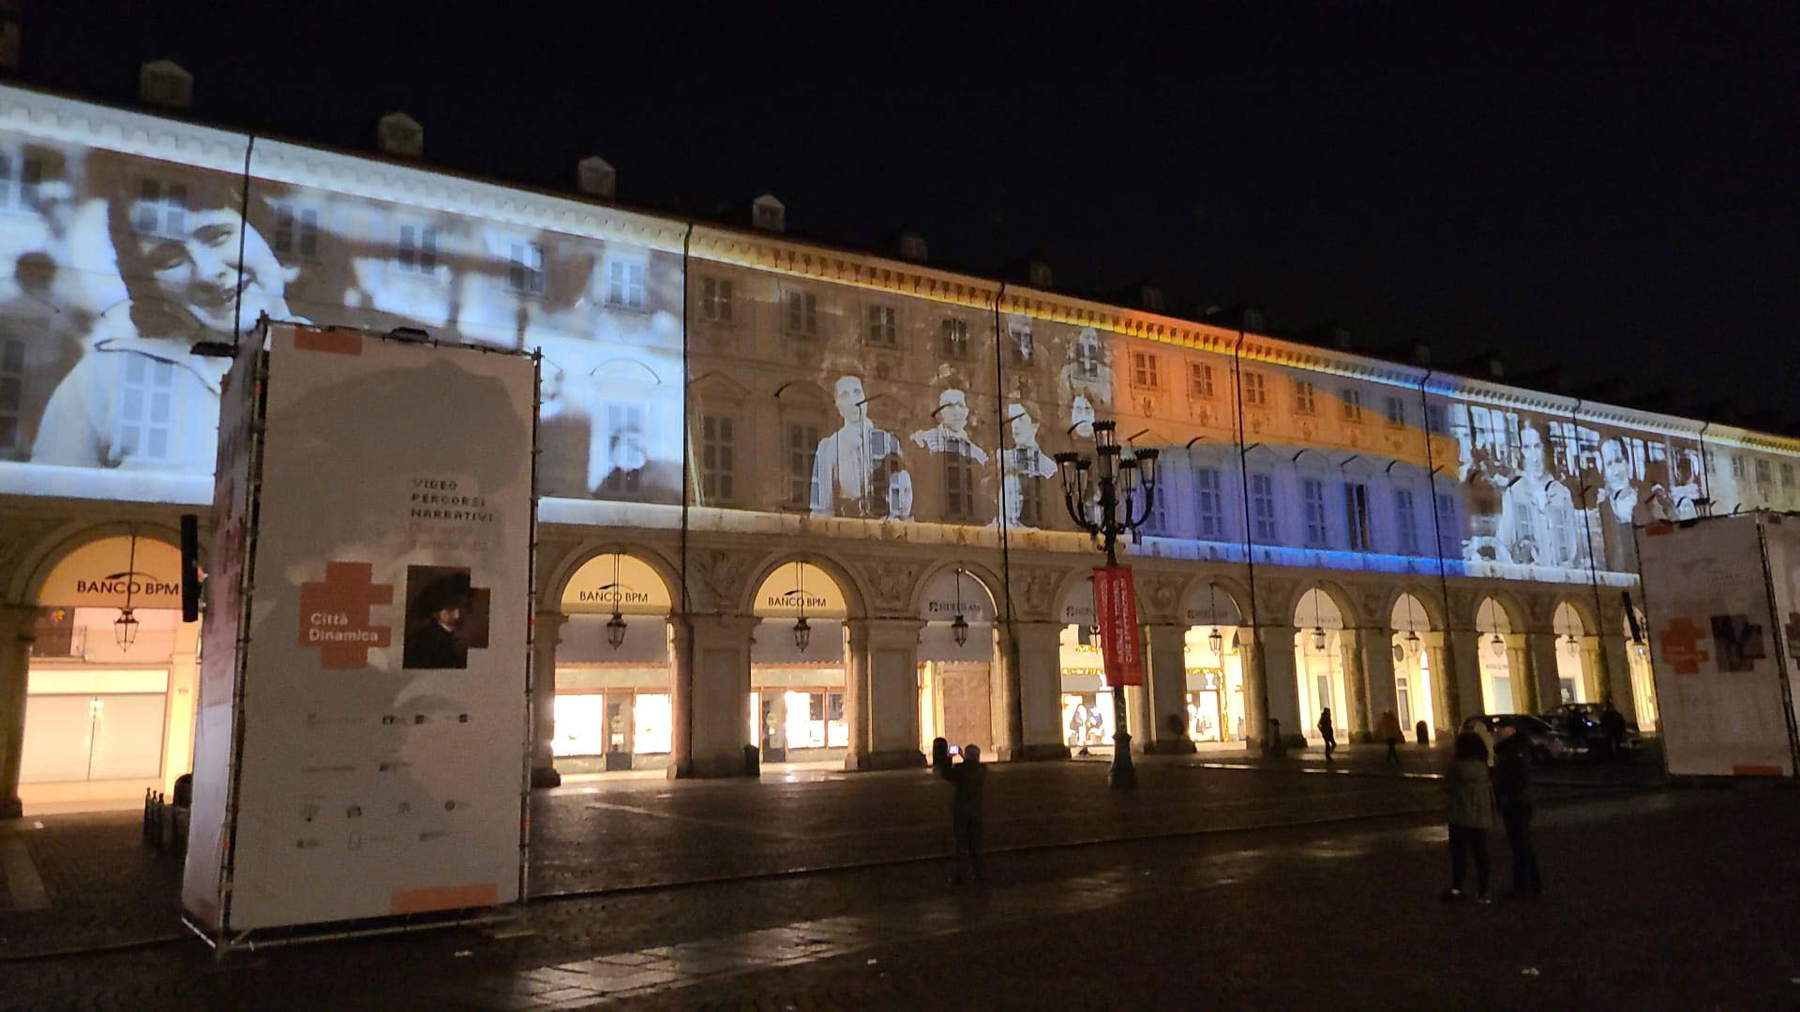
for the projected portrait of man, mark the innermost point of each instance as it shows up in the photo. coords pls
(1088, 369)
(1537, 515)
(847, 462)
(193, 270)
(1022, 465)
(951, 433)
(1617, 507)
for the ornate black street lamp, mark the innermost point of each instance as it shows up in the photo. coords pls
(1125, 481)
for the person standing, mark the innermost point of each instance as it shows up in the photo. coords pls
(1612, 729)
(1327, 732)
(1512, 789)
(1389, 731)
(969, 778)
(1471, 814)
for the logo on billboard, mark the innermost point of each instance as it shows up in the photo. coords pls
(334, 615)
(1681, 646)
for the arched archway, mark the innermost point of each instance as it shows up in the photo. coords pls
(111, 675)
(797, 664)
(1416, 676)
(1322, 645)
(614, 685)
(1214, 661)
(1575, 645)
(1499, 641)
(958, 692)
(1087, 704)
(1637, 658)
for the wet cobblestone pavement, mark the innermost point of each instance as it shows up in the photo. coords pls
(1236, 894)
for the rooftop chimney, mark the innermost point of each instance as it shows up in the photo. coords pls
(400, 135)
(1151, 297)
(912, 247)
(595, 177)
(1038, 273)
(12, 31)
(768, 213)
(165, 84)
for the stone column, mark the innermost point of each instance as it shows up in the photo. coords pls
(1465, 658)
(1611, 653)
(1444, 697)
(17, 630)
(1255, 714)
(1278, 667)
(1546, 686)
(1358, 723)
(1034, 672)
(184, 684)
(1378, 671)
(712, 695)
(883, 698)
(1165, 694)
(546, 634)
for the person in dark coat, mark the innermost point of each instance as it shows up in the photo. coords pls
(1471, 814)
(1512, 788)
(1612, 730)
(1389, 731)
(1327, 732)
(969, 777)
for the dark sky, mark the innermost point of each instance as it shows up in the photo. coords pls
(1612, 193)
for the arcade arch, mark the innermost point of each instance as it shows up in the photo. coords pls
(1574, 646)
(111, 676)
(1322, 645)
(959, 697)
(1637, 659)
(615, 674)
(1416, 677)
(797, 664)
(1214, 662)
(1087, 703)
(1498, 644)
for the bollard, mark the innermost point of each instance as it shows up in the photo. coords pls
(1422, 732)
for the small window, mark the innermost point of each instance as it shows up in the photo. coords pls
(1352, 405)
(882, 327)
(959, 481)
(1356, 516)
(296, 232)
(1787, 475)
(1303, 397)
(1200, 379)
(1437, 419)
(1449, 535)
(161, 210)
(718, 458)
(801, 443)
(525, 268)
(625, 285)
(715, 300)
(1262, 510)
(1211, 504)
(801, 314)
(418, 249)
(1312, 496)
(1406, 521)
(1396, 413)
(1256, 390)
(1144, 372)
(1764, 474)
(954, 339)
(19, 181)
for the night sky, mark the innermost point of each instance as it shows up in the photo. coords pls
(1613, 193)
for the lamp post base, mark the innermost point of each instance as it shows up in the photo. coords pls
(1123, 773)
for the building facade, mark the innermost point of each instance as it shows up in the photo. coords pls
(775, 475)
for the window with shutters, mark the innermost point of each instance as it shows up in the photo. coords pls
(20, 178)
(800, 442)
(1352, 405)
(146, 408)
(800, 314)
(718, 459)
(882, 327)
(1356, 516)
(1200, 379)
(715, 300)
(959, 481)
(161, 209)
(1396, 413)
(296, 232)
(1263, 519)
(953, 337)
(417, 250)
(1145, 370)
(1210, 503)
(1021, 345)
(625, 284)
(1303, 398)
(1406, 521)
(625, 441)
(1256, 390)
(1437, 419)
(1312, 499)
(525, 269)
(1449, 535)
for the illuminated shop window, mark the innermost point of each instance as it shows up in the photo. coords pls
(146, 407)
(1144, 370)
(718, 458)
(882, 327)
(19, 179)
(1262, 510)
(1406, 521)
(1396, 412)
(715, 300)
(1211, 504)
(1312, 497)
(161, 209)
(625, 284)
(802, 442)
(652, 717)
(296, 232)
(1256, 390)
(1352, 405)
(12, 390)
(1200, 379)
(418, 248)
(1356, 516)
(1303, 397)
(525, 268)
(954, 339)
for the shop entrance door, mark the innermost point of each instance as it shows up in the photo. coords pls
(116, 736)
(968, 705)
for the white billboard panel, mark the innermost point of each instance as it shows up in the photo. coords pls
(1718, 678)
(384, 710)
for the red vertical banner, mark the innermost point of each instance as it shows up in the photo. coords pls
(1115, 603)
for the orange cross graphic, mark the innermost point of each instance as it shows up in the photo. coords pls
(334, 615)
(1681, 645)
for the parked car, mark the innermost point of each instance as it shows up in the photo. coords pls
(1564, 718)
(1548, 744)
